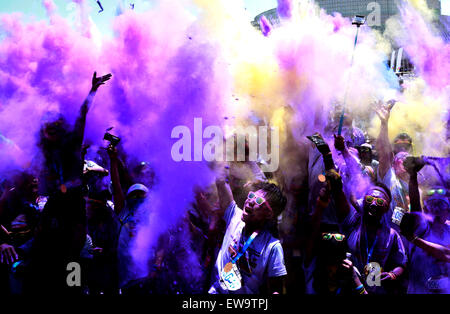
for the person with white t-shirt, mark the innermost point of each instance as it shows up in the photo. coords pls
(251, 259)
(391, 171)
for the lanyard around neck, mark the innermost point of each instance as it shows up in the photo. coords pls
(369, 253)
(246, 245)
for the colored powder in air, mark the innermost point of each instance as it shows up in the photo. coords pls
(266, 27)
(210, 65)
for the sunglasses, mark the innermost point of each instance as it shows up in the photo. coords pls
(436, 191)
(258, 199)
(337, 236)
(379, 201)
(405, 142)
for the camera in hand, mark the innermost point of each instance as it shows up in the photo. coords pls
(358, 20)
(413, 163)
(317, 139)
(112, 139)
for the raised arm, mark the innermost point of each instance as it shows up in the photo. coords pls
(322, 202)
(81, 120)
(334, 179)
(383, 145)
(118, 195)
(224, 190)
(413, 165)
(352, 164)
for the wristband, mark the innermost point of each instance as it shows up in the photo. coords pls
(361, 286)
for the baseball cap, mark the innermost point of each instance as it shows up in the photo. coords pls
(137, 187)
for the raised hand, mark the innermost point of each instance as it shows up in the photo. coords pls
(339, 142)
(383, 111)
(413, 164)
(112, 152)
(97, 81)
(320, 143)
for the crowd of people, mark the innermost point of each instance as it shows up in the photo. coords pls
(363, 216)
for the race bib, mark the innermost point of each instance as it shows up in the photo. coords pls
(230, 279)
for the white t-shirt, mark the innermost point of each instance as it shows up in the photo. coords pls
(399, 192)
(263, 259)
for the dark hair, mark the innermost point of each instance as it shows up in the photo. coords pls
(383, 187)
(274, 196)
(43, 143)
(329, 253)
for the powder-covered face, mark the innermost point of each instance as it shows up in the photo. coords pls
(398, 166)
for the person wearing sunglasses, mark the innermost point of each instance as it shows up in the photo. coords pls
(334, 273)
(251, 259)
(371, 240)
(428, 233)
(402, 143)
(327, 265)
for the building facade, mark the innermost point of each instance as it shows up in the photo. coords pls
(377, 12)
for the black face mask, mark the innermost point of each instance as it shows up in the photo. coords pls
(372, 219)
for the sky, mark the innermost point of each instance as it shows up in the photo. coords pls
(35, 9)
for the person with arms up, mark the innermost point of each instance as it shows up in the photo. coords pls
(250, 260)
